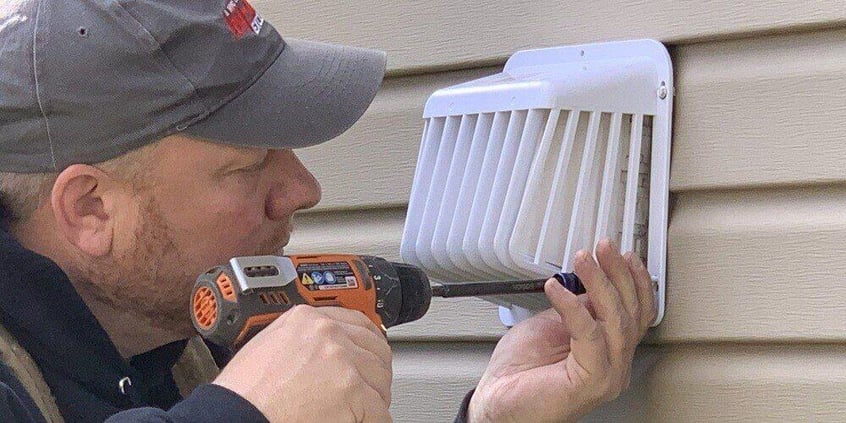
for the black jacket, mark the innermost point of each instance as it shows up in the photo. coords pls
(41, 309)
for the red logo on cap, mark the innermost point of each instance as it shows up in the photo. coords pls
(241, 18)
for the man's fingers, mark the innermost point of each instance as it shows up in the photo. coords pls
(353, 325)
(370, 370)
(364, 338)
(584, 299)
(617, 269)
(352, 317)
(645, 292)
(377, 415)
(618, 326)
(587, 341)
(376, 412)
(369, 407)
(552, 314)
(602, 293)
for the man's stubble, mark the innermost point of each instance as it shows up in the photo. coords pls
(152, 280)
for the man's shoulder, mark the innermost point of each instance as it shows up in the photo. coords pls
(24, 394)
(16, 405)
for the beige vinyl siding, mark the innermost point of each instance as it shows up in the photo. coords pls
(430, 379)
(760, 112)
(733, 384)
(425, 36)
(755, 328)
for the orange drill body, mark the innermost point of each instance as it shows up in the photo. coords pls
(233, 302)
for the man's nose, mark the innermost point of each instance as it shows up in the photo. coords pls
(294, 188)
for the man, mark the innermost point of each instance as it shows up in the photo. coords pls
(142, 143)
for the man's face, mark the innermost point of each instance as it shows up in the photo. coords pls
(199, 205)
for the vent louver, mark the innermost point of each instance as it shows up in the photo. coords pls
(518, 171)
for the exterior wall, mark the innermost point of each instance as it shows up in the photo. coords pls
(755, 328)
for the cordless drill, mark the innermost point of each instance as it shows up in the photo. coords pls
(233, 302)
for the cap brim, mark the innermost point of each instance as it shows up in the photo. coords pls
(312, 93)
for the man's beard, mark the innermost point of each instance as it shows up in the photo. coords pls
(152, 281)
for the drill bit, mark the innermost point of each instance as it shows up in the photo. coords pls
(476, 289)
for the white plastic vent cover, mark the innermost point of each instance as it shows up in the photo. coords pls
(518, 171)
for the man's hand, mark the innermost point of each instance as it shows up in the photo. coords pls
(562, 363)
(325, 364)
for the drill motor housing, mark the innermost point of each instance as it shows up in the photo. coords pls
(231, 303)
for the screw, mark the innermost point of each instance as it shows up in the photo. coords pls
(662, 91)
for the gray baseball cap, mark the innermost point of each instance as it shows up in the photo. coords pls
(83, 81)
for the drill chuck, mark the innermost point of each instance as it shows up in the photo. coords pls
(416, 292)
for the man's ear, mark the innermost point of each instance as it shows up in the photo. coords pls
(81, 209)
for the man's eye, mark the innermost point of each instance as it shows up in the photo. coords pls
(256, 167)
